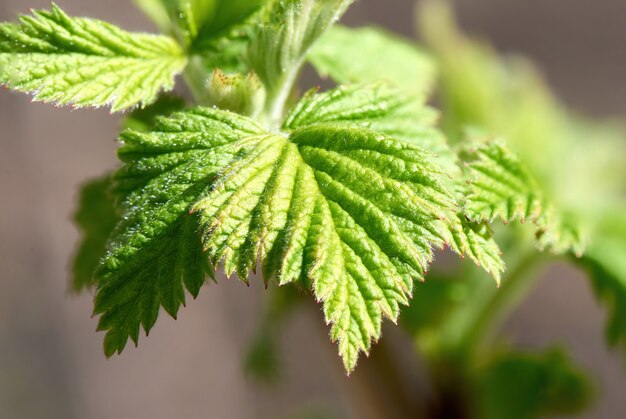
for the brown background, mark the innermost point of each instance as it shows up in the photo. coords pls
(51, 363)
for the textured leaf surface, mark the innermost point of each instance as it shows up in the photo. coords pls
(475, 240)
(356, 55)
(350, 213)
(379, 107)
(500, 186)
(86, 62)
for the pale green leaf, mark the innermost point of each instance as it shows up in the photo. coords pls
(278, 47)
(576, 165)
(317, 207)
(500, 186)
(380, 107)
(350, 213)
(475, 240)
(86, 62)
(356, 55)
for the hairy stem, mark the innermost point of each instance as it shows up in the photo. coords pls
(195, 77)
(277, 99)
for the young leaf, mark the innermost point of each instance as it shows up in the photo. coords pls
(500, 186)
(221, 18)
(379, 107)
(278, 47)
(475, 240)
(86, 62)
(96, 218)
(357, 55)
(347, 212)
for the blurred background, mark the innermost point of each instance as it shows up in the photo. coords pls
(51, 361)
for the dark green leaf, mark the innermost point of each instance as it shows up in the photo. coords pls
(96, 217)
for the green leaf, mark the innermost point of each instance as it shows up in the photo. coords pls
(319, 208)
(86, 62)
(605, 260)
(200, 23)
(356, 55)
(135, 282)
(379, 107)
(524, 386)
(155, 252)
(342, 210)
(576, 164)
(278, 47)
(222, 17)
(96, 218)
(475, 240)
(499, 185)
(145, 118)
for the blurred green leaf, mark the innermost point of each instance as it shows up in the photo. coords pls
(262, 360)
(222, 17)
(518, 385)
(357, 55)
(578, 164)
(95, 217)
(432, 302)
(605, 260)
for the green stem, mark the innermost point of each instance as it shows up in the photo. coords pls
(277, 99)
(500, 302)
(195, 77)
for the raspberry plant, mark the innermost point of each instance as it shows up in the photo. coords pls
(346, 194)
